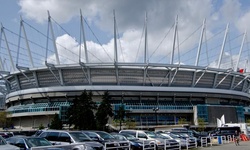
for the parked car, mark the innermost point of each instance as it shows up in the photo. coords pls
(191, 141)
(107, 139)
(225, 131)
(135, 144)
(26, 143)
(192, 134)
(5, 146)
(6, 134)
(60, 137)
(149, 135)
(181, 141)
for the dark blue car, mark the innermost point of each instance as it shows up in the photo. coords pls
(135, 144)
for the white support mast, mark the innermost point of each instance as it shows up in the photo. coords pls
(82, 34)
(175, 31)
(115, 52)
(223, 46)
(145, 51)
(200, 43)
(27, 43)
(241, 47)
(53, 38)
(146, 41)
(115, 40)
(8, 48)
(1, 62)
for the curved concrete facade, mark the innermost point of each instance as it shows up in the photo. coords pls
(37, 94)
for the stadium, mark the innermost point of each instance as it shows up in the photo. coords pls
(153, 93)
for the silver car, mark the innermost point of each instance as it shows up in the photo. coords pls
(4, 145)
(82, 141)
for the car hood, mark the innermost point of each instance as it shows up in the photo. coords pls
(114, 140)
(9, 147)
(168, 141)
(93, 144)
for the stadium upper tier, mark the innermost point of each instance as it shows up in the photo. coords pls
(177, 83)
(151, 77)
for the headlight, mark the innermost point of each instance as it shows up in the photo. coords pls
(140, 144)
(158, 142)
(89, 148)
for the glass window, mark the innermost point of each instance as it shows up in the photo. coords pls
(64, 137)
(91, 135)
(53, 136)
(79, 136)
(141, 135)
(44, 134)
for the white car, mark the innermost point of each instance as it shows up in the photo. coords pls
(182, 142)
(4, 145)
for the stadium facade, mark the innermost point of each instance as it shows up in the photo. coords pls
(152, 93)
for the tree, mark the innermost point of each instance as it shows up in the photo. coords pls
(56, 123)
(3, 119)
(248, 121)
(130, 123)
(182, 121)
(120, 115)
(41, 127)
(104, 111)
(201, 123)
(81, 112)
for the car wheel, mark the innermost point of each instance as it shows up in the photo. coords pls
(132, 148)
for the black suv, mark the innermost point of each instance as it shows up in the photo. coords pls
(225, 131)
(108, 140)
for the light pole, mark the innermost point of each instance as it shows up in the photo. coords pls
(155, 110)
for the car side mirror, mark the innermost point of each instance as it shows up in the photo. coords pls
(95, 138)
(21, 145)
(68, 140)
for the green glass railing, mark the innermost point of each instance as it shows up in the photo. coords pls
(38, 107)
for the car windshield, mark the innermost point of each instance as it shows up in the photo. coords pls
(174, 135)
(2, 141)
(184, 135)
(162, 136)
(119, 137)
(151, 134)
(130, 137)
(34, 142)
(79, 136)
(105, 135)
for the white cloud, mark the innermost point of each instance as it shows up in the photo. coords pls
(130, 20)
(243, 23)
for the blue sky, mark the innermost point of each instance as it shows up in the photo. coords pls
(130, 18)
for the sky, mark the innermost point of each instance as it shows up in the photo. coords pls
(131, 21)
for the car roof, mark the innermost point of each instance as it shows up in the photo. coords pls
(25, 137)
(61, 131)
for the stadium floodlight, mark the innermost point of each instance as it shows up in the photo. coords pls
(50, 65)
(82, 64)
(229, 69)
(4, 72)
(22, 68)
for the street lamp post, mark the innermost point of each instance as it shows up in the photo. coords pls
(155, 110)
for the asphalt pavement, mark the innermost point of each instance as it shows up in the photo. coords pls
(244, 145)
